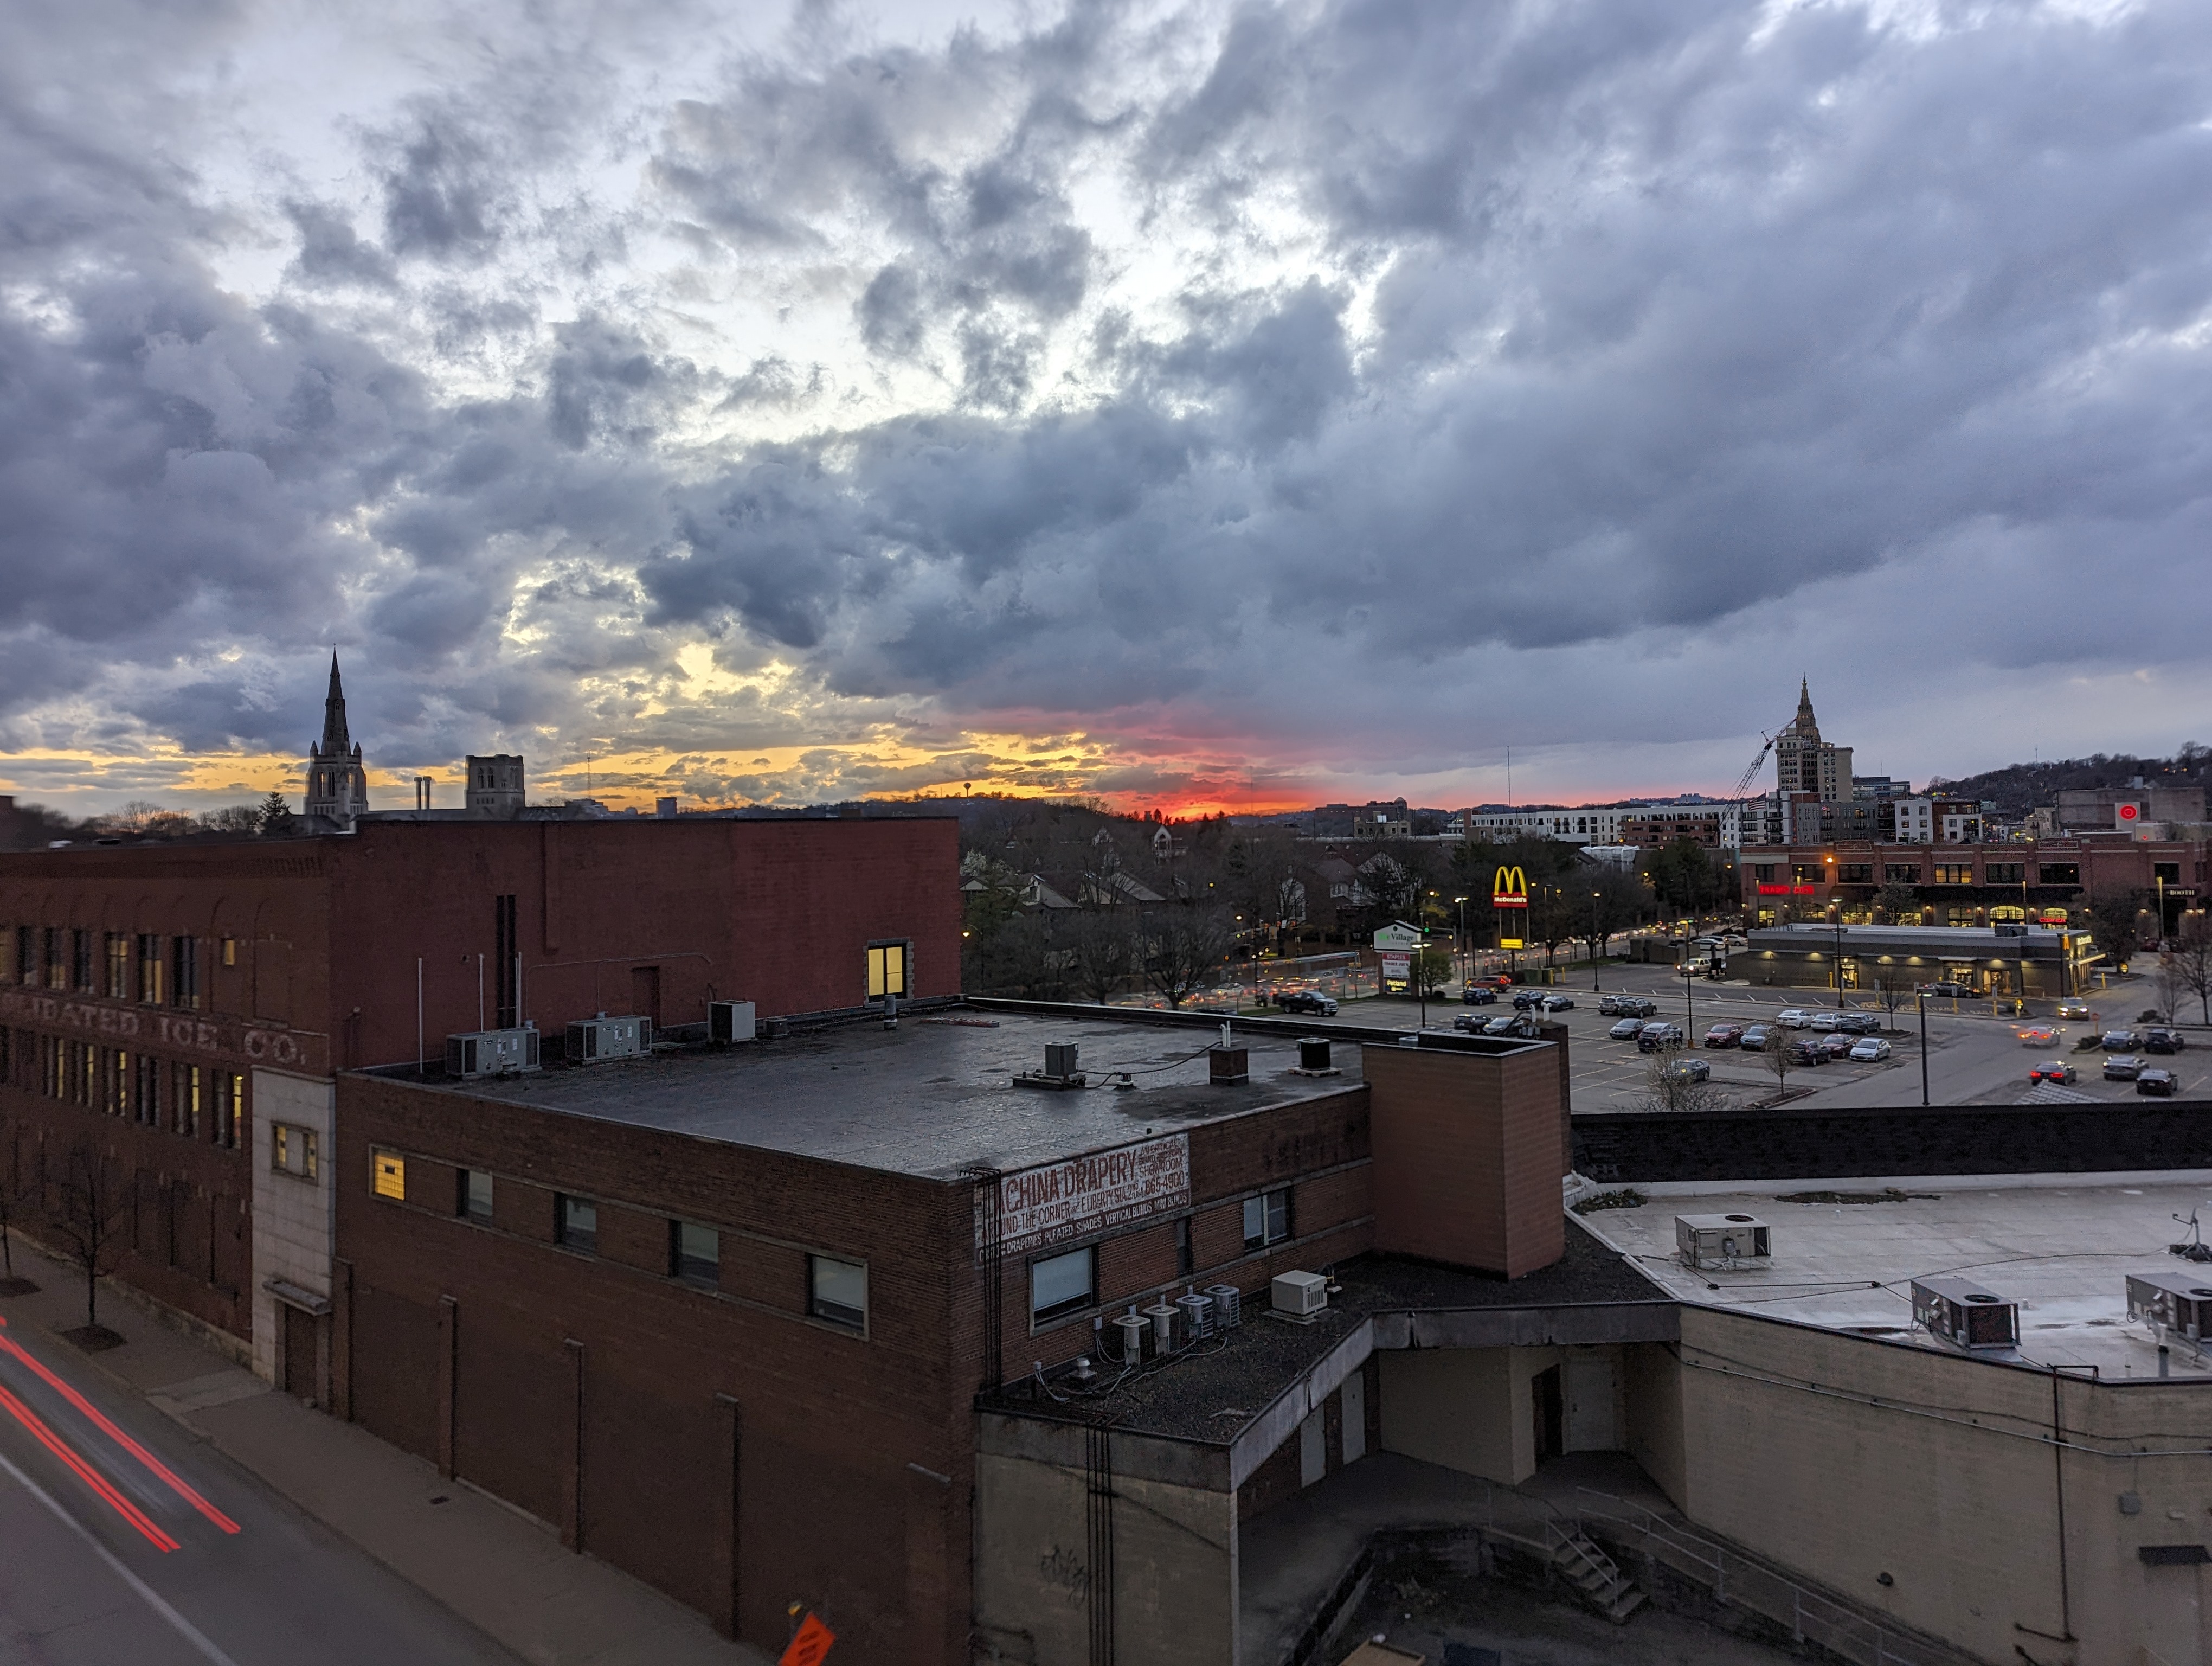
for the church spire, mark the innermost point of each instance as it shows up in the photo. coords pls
(1804, 698)
(336, 742)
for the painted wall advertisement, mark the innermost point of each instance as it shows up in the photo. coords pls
(1063, 1202)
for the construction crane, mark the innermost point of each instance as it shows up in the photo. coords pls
(1751, 774)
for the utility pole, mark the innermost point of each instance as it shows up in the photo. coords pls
(1920, 1000)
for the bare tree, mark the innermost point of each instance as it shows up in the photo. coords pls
(90, 1213)
(1670, 1083)
(2167, 986)
(1182, 945)
(2190, 956)
(233, 818)
(1898, 902)
(11, 1193)
(1101, 943)
(1779, 1061)
(1432, 970)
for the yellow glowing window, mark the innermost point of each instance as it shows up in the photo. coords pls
(886, 971)
(390, 1174)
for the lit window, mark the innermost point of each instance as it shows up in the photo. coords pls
(1267, 1219)
(230, 952)
(580, 1224)
(837, 1290)
(695, 1253)
(389, 1175)
(229, 1107)
(118, 982)
(1063, 1284)
(291, 1150)
(886, 969)
(152, 987)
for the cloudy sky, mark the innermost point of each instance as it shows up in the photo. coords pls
(1196, 403)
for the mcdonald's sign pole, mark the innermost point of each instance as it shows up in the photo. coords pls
(1509, 888)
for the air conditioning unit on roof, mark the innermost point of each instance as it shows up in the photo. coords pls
(729, 1021)
(1720, 1240)
(590, 1040)
(492, 1052)
(2180, 1302)
(1299, 1295)
(1964, 1314)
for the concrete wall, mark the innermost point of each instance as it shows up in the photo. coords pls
(1848, 1459)
(1473, 1409)
(292, 1215)
(1175, 1560)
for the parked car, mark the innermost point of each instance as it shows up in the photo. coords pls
(1525, 999)
(2120, 1040)
(1688, 1070)
(1789, 1017)
(1638, 1007)
(1954, 991)
(2054, 1070)
(1610, 1005)
(1869, 1049)
(1807, 1052)
(1626, 1029)
(1825, 1023)
(2163, 1040)
(1653, 1036)
(1503, 1024)
(1472, 1024)
(2074, 1009)
(2122, 1068)
(2157, 1081)
(1555, 1003)
(1477, 994)
(1838, 1045)
(1758, 1038)
(1724, 1035)
(1306, 1000)
(1859, 1023)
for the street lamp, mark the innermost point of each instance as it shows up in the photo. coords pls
(1461, 943)
(1920, 1000)
(1593, 943)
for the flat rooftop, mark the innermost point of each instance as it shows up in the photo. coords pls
(936, 1095)
(2062, 1246)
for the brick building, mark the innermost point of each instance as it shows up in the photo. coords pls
(180, 1012)
(799, 1322)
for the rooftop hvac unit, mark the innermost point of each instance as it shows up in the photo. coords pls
(1300, 1295)
(1132, 1325)
(1312, 1057)
(1720, 1240)
(1197, 1315)
(730, 1021)
(2181, 1302)
(590, 1040)
(492, 1052)
(1059, 1068)
(1964, 1314)
(1228, 1305)
(1167, 1334)
(1228, 1065)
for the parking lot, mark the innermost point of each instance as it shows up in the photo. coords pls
(1974, 1057)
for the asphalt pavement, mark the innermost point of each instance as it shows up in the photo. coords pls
(1974, 1057)
(127, 1541)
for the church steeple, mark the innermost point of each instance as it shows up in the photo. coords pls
(336, 742)
(337, 784)
(1804, 698)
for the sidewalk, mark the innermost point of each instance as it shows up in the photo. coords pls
(499, 1570)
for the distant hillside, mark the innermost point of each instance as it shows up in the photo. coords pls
(2018, 788)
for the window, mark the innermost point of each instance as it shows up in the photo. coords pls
(475, 1199)
(507, 943)
(152, 986)
(2169, 871)
(1904, 874)
(1954, 874)
(229, 951)
(81, 977)
(291, 1150)
(56, 963)
(388, 1175)
(117, 984)
(579, 1225)
(2058, 873)
(886, 969)
(1062, 1284)
(27, 955)
(1959, 916)
(695, 1253)
(146, 1092)
(2007, 911)
(185, 964)
(1808, 874)
(1856, 873)
(184, 1101)
(229, 1107)
(837, 1290)
(1267, 1219)
(2004, 873)
(115, 1081)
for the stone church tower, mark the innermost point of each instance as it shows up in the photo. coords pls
(338, 785)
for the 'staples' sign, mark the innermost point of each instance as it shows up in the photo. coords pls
(1064, 1200)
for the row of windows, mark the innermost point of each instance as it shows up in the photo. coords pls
(1068, 1282)
(836, 1288)
(193, 1101)
(1946, 874)
(144, 966)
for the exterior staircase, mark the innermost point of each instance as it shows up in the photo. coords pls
(1593, 1576)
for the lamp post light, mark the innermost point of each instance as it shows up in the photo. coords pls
(1594, 945)
(1920, 1000)
(1465, 952)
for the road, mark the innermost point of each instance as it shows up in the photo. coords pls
(125, 1539)
(1973, 1057)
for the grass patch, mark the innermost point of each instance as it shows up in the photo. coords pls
(1627, 1198)
(1887, 1194)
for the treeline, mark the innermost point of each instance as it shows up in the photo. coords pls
(35, 826)
(2017, 788)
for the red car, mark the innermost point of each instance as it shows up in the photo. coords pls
(1724, 1035)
